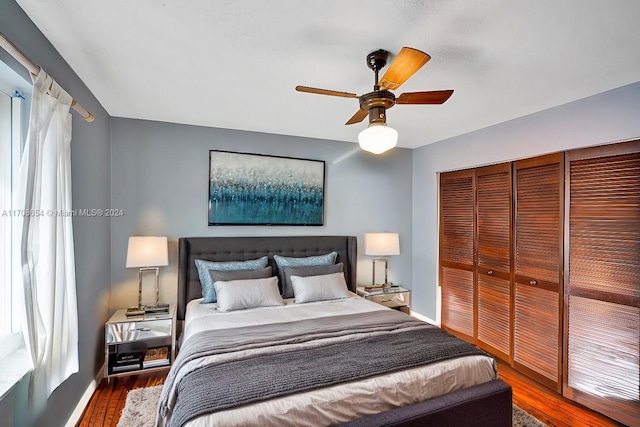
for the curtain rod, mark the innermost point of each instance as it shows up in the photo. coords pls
(34, 69)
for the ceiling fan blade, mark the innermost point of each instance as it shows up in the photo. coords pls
(431, 97)
(325, 92)
(405, 65)
(358, 117)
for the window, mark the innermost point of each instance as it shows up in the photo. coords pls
(13, 109)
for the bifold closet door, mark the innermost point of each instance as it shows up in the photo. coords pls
(537, 296)
(493, 257)
(456, 253)
(602, 280)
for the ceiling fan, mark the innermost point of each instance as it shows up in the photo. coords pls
(378, 137)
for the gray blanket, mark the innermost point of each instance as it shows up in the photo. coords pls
(354, 347)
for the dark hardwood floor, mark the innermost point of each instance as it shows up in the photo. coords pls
(548, 406)
(107, 402)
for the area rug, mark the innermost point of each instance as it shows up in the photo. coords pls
(140, 410)
(140, 407)
(521, 418)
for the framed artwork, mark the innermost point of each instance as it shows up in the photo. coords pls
(255, 189)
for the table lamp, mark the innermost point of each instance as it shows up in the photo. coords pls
(148, 253)
(381, 245)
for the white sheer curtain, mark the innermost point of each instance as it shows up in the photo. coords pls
(45, 240)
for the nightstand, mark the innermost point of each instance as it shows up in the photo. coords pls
(395, 297)
(137, 344)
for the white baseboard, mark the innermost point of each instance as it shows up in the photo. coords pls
(84, 400)
(424, 318)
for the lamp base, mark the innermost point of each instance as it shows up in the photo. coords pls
(156, 309)
(135, 311)
(148, 309)
(383, 287)
(386, 283)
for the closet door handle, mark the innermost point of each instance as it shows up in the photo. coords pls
(490, 272)
(533, 282)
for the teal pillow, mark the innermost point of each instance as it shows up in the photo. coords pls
(283, 261)
(208, 290)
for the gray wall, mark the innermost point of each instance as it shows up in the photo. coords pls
(608, 117)
(90, 170)
(159, 174)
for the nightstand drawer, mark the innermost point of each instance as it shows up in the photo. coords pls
(138, 330)
(392, 300)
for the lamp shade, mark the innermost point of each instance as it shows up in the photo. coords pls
(147, 251)
(381, 244)
(378, 138)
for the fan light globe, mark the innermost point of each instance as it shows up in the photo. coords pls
(378, 138)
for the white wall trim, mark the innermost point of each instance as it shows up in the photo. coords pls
(84, 400)
(424, 318)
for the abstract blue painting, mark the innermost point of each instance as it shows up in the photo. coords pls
(255, 189)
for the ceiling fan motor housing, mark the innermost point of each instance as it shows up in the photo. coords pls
(376, 103)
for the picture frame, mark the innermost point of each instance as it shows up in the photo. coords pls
(258, 189)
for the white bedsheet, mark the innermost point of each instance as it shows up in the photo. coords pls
(318, 407)
(201, 317)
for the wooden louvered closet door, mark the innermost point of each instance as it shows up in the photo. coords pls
(602, 280)
(493, 247)
(456, 253)
(537, 296)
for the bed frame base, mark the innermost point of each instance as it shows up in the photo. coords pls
(484, 405)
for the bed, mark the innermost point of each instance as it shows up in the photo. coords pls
(323, 361)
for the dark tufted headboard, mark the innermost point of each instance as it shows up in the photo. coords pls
(244, 248)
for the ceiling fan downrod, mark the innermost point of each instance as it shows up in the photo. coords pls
(376, 61)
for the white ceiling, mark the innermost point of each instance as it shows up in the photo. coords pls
(235, 64)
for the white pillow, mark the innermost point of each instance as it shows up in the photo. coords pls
(250, 293)
(319, 288)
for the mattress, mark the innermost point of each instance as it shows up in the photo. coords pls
(358, 398)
